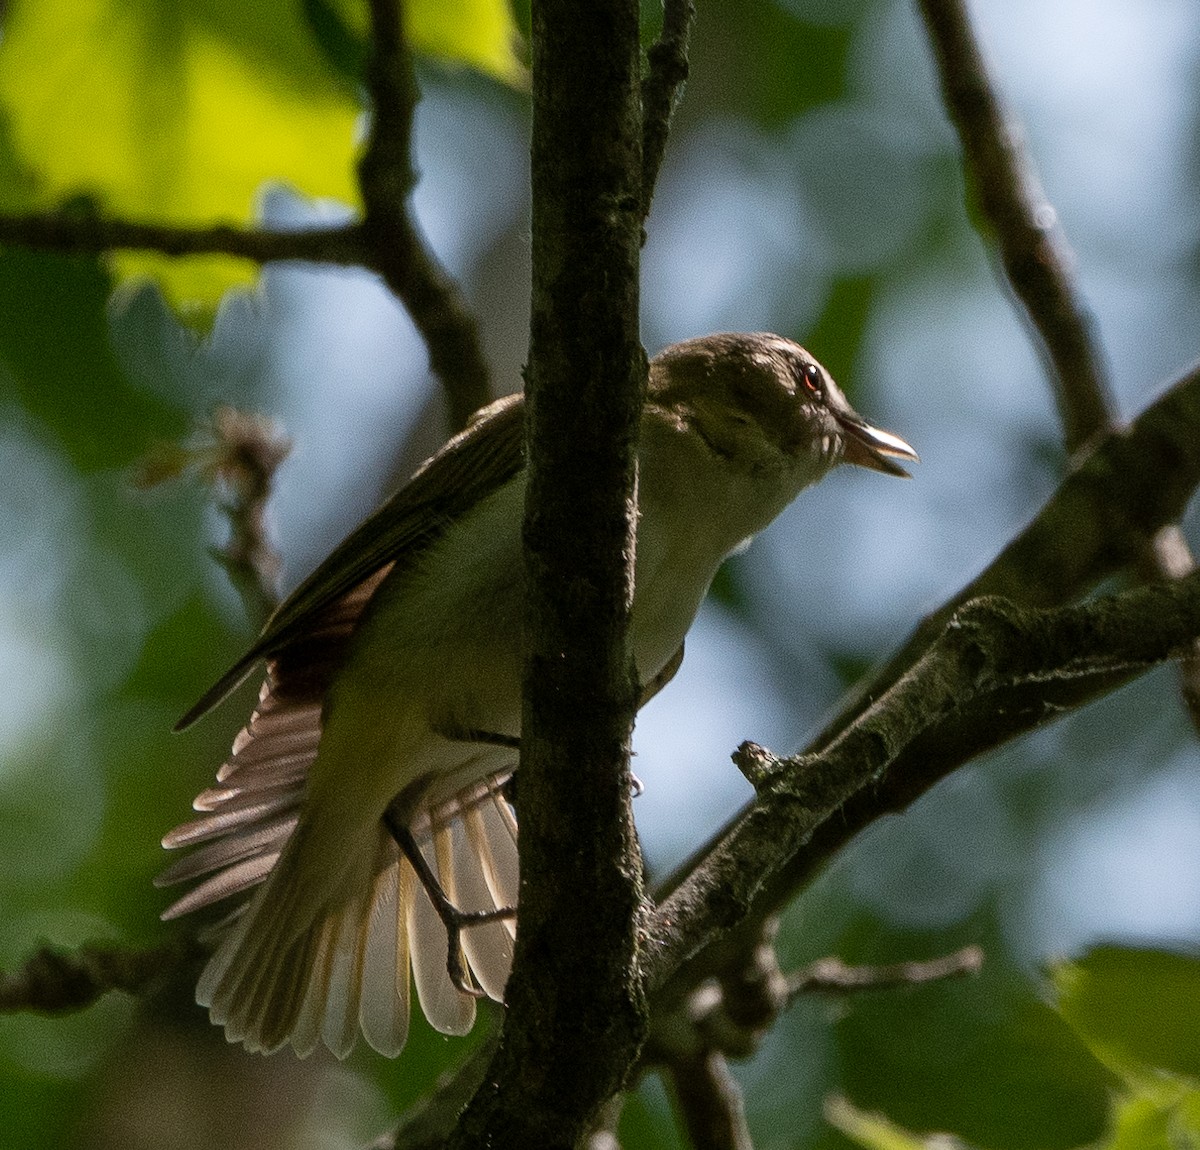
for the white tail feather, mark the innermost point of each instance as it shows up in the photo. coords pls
(448, 1010)
(301, 966)
(495, 846)
(310, 1019)
(340, 1028)
(321, 951)
(488, 947)
(384, 1004)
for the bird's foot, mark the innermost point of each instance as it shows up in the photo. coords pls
(454, 920)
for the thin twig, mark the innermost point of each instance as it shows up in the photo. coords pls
(668, 60)
(237, 454)
(58, 981)
(706, 1095)
(79, 233)
(400, 251)
(1032, 247)
(833, 976)
(709, 1102)
(733, 1012)
(727, 1018)
(252, 447)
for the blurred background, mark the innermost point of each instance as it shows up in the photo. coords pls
(812, 187)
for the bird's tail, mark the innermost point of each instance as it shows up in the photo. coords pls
(307, 960)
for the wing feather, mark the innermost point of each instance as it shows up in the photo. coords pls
(474, 463)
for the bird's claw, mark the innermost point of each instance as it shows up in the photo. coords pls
(454, 920)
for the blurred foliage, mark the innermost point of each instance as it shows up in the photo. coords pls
(113, 619)
(1136, 1011)
(181, 113)
(983, 1058)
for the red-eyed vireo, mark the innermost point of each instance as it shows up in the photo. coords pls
(395, 670)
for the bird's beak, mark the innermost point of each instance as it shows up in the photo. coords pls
(871, 447)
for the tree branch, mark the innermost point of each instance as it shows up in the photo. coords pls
(400, 251)
(1032, 248)
(1038, 264)
(1094, 525)
(709, 1102)
(1102, 519)
(661, 89)
(995, 671)
(78, 233)
(1135, 482)
(576, 1011)
(388, 241)
(56, 981)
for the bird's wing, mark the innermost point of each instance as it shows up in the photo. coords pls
(476, 462)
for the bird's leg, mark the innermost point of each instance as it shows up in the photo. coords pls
(396, 819)
(649, 689)
(453, 919)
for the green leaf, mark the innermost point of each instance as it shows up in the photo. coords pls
(476, 32)
(1138, 1122)
(481, 33)
(1138, 1010)
(1144, 1123)
(181, 113)
(983, 1057)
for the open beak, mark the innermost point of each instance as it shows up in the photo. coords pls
(868, 446)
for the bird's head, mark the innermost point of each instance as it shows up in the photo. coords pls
(763, 404)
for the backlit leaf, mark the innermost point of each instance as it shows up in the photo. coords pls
(182, 113)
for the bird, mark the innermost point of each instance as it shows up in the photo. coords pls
(367, 800)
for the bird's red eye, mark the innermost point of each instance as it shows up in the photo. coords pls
(811, 374)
